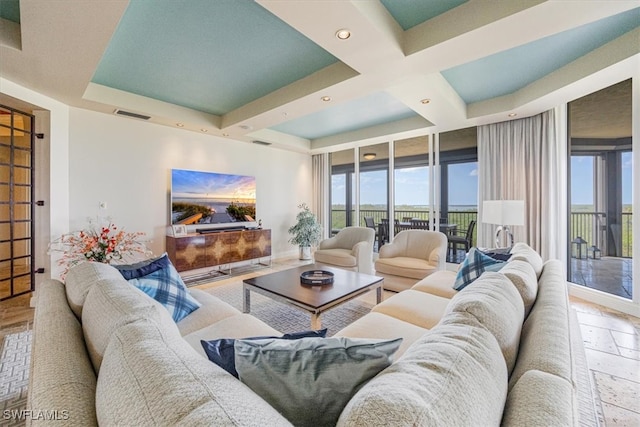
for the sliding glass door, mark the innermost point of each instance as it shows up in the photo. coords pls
(600, 223)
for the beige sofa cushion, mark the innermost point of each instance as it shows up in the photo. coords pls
(82, 277)
(112, 304)
(381, 326)
(414, 268)
(545, 342)
(540, 399)
(238, 326)
(523, 252)
(439, 283)
(496, 304)
(339, 257)
(212, 310)
(453, 375)
(419, 308)
(524, 278)
(61, 377)
(149, 376)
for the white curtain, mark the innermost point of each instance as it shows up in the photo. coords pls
(320, 182)
(526, 159)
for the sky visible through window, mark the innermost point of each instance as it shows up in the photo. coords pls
(411, 186)
(582, 179)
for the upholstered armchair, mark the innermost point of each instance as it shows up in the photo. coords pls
(351, 249)
(412, 256)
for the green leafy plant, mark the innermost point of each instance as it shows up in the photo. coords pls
(307, 231)
(239, 212)
(189, 209)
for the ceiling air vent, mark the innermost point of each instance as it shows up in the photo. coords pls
(120, 112)
(261, 142)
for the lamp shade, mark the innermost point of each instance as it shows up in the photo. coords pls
(503, 212)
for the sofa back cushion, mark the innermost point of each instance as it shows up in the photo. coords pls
(453, 375)
(523, 252)
(545, 342)
(150, 376)
(112, 304)
(496, 304)
(61, 377)
(524, 278)
(81, 278)
(540, 399)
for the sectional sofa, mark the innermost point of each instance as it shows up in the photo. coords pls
(501, 351)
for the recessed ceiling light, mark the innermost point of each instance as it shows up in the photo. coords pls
(425, 101)
(343, 34)
(369, 156)
(512, 114)
(180, 125)
(326, 98)
(204, 130)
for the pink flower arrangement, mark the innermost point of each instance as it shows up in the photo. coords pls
(107, 244)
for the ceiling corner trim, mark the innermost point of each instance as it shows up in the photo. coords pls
(159, 111)
(10, 34)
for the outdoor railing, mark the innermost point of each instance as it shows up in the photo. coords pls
(460, 218)
(593, 228)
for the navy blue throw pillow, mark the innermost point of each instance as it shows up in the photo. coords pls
(500, 256)
(143, 268)
(222, 353)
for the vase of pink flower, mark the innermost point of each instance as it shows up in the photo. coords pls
(107, 244)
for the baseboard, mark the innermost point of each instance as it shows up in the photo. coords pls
(598, 297)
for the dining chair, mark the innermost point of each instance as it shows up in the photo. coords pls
(455, 239)
(421, 224)
(369, 222)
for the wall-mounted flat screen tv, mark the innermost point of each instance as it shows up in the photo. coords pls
(200, 198)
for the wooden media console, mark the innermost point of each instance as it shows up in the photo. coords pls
(216, 248)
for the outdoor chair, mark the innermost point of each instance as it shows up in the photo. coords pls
(455, 239)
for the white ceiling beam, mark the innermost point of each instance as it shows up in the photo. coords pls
(478, 29)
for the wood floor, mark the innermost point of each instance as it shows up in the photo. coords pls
(611, 340)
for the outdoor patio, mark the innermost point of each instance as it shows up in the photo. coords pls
(609, 274)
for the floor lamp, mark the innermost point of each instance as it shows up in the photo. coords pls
(503, 213)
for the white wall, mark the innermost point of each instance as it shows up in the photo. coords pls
(126, 163)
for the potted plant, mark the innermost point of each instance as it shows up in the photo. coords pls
(307, 231)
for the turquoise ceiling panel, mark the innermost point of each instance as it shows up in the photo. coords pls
(409, 13)
(211, 56)
(506, 72)
(10, 10)
(374, 109)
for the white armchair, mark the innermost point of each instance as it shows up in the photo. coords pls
(351, 249)
(412, 256)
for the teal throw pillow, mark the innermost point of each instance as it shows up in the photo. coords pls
(473, 266)
(165, 285)
(311, 380)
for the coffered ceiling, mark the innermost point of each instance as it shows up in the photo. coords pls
(275, 71)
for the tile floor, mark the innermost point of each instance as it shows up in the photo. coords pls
(612, 344)
(609, 274)
(611, 340)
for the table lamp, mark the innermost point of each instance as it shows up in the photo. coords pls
(503, 213)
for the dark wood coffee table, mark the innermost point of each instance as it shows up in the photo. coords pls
(285, 286)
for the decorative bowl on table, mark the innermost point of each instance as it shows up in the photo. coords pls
(316, 277)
